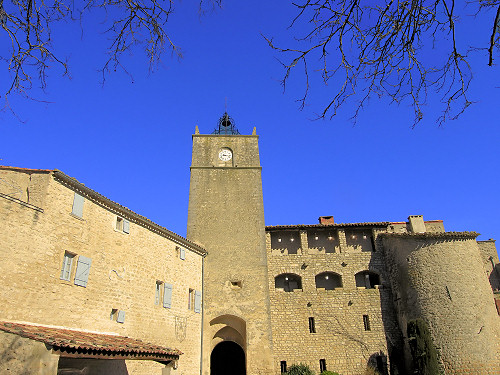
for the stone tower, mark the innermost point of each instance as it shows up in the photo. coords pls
(226, 217)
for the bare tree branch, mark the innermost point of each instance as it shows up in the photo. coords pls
(381, 48)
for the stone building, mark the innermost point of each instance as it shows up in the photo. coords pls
(88, 286)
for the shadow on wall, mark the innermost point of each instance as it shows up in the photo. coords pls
(495, 277)
(77, 366)
(393, 333)
(377, 362)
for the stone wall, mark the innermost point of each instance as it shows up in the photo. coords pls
(340, 338)
(440, 277)
(226, 216)
(123, 273)
(491, 263)
(22, 356)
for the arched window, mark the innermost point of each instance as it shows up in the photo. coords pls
(367, 279)
(328, 280)
(288, 282)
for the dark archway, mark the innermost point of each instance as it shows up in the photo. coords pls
(227, 358)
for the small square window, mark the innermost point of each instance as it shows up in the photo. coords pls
(236, 284)
(366, 322)
(67, 266)
(122, 225)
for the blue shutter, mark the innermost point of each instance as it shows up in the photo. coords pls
(183, 253)
(197, 301)
(121, 317)
(82, 271)
(167, 295)
(126, 226)
(78, 205)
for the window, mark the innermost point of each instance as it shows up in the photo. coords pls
(122, 225)
(182, 253)
(312, 325)
(235, 284)
(167, 295)
(366, 322)
(194, 300)
(322, 365)
(78, 205)
(66, 266)
(283, 367)
(328, 280)
(82, 271)
(288, 282)
(191, 299)
(367, 279)
(114, 314)
(121, 317)
(158, 292)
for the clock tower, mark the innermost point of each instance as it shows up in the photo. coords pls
(226, 217)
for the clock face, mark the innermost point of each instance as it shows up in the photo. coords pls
(225, 154)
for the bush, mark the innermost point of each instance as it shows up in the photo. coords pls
(329, 373)
(299, 369)
(424, 353)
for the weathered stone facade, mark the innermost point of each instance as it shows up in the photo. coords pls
(334, 296)
(40, 229)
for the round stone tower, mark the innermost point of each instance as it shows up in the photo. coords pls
(439, 277)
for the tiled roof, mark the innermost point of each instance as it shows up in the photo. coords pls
(27, 170)
(62, 339)
(467, 235)
(323, 226)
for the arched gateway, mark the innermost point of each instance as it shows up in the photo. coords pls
(227, 358)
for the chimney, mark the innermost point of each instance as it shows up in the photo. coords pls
(326, 220)
(417, 224)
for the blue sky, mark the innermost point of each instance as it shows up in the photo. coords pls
(130, 140)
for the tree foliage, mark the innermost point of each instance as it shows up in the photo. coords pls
(385, 48)
(424, 353)
(299, 369)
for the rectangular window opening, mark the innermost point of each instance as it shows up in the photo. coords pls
(158, 292)
(322, 365)
(67, 266)
(283, 367)
(191, 299)
(114, 314)
(119, 224)
(236, 284)
(312, 326)
(366, 322)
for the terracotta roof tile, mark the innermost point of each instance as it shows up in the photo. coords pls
(322, 226)
(81, 340)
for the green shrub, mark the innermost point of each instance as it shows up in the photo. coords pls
(299, 369)
(329, 373)
(424, 353)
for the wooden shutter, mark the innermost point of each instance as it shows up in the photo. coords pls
(182, 253)
(121, 317)
(82, 271)
(126, 226)
(78, 205)
(197, 301)
(167, 295)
